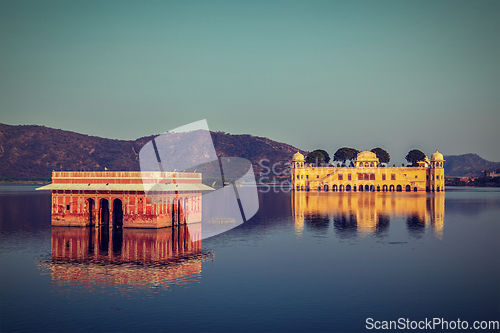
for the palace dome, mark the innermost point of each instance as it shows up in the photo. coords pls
(298, 157)
(367, 156)
(437, 156)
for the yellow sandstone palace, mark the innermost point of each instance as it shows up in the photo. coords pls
(368, 175)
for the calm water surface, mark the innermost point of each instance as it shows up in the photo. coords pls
(306, 262)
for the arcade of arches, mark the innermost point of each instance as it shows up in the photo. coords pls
(70, 208)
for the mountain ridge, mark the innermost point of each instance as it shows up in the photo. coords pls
(467, 165)
(34, 151)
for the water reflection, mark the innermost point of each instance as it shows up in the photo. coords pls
(138, 257)
(368, 214)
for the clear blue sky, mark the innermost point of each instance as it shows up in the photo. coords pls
(314, 74)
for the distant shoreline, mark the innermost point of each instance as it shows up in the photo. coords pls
(39, 182)
(476, 182)
(25, 182)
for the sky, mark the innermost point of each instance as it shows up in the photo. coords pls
(399, 75)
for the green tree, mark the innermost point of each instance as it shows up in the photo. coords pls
(315, 157)
(326, 156)
(415, 156)
(345, 153)
(382, 155)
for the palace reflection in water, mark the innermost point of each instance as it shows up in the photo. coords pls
(148, 257)
(366, 214)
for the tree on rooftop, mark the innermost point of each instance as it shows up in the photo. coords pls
(382, 155)
(415, 156)
(345, 153)
(316, 157)
(326, 156)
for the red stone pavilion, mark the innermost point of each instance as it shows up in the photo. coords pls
(119, 199)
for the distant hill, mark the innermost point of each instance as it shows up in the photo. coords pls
(467, 165)
(32, 152)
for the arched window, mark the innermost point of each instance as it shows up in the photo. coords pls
(104, 211)
(90, 211)
(117, 213)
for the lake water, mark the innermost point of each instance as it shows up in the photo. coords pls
(307, 262)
